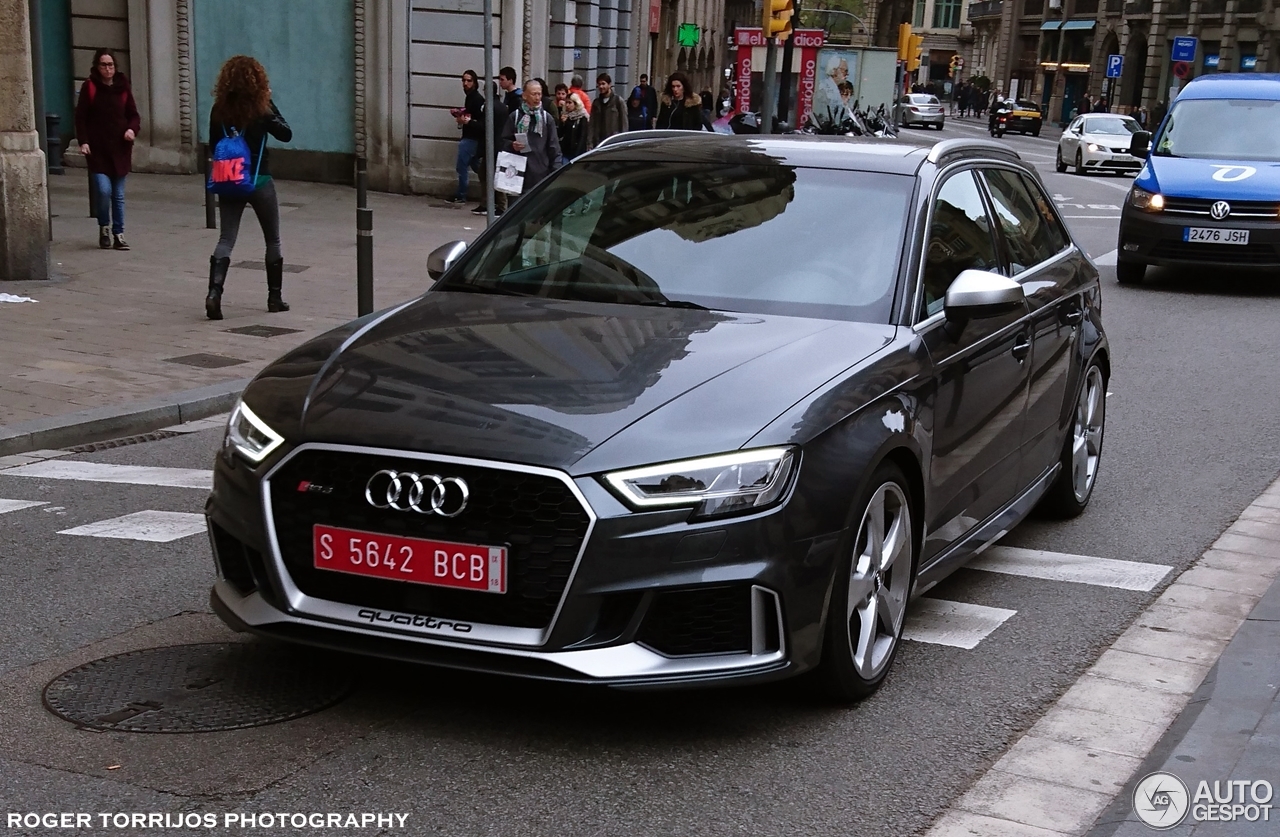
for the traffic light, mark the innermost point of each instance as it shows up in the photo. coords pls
(904, 40)
(777, 18)
(915, 43)
(956, 63)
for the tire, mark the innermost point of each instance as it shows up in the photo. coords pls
(1058, 164)
(1036, 132)
(870, 591)
(1081, 450)
(1130, 273)
(1079, 162)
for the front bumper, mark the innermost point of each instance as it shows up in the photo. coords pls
(652, 600)
(1158, 239)
(1108, 159)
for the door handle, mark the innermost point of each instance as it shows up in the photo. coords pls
(1073, 315)
(1021, 346)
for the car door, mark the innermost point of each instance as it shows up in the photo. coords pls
(1039, 255)
(979, 370)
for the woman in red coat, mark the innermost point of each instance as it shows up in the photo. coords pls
(106, 124)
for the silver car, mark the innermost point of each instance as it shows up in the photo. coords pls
(921, 109)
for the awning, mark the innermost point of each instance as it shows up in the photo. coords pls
(1079, 24)
(1051, 24)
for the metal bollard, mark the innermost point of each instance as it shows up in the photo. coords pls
(364, 240)
(210, 209)
(51, 121)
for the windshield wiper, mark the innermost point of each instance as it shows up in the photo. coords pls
(676, 303)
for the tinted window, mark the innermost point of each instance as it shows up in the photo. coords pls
(959, 239)
(762, 238)
(1228, 129)
(1030, 228)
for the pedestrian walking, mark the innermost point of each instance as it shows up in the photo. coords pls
(680, 107)
(529, 131)
(576, 89)
(638, 118)
(1103, 106)
(470, 118)
(500, 113)
(510, 90)
(106, 124)
(574, 128)
(242, 105)
(650, 98)
(608, 114)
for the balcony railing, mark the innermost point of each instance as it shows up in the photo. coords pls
(986, 9)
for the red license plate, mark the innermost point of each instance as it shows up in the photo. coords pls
(462, 566)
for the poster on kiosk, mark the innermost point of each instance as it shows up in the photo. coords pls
(749, 70)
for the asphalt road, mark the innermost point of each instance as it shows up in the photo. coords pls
(1192, 436)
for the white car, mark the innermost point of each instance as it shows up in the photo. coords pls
(921, 109)
(1098, 142)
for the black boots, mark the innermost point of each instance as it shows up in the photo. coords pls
(275, 280)
(217, 276)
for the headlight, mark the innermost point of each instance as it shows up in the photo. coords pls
(1093, 147)
(718, 485)
(1146, 201)
(250, 435)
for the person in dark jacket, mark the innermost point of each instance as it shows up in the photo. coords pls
(542, 146)
(242, 103)
(608, 112)
(650, 98)
(106, 124)
(510, 90)
(680, 108)
(638, 118)
(574, 128)
(470, 118)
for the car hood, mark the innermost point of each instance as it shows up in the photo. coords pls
(546, 382)
(1186, 177)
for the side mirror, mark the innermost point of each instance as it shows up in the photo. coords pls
(443, 257)
(979, 293)
(1140, 144)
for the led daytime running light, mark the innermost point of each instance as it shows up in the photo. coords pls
(242, 437)
(781, 459)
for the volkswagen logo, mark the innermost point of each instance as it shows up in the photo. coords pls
(1220, 210)
(422, 493)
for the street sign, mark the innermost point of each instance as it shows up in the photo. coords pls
(1115, 66)
(1181, 69)
(1184, 48)
(688, 34)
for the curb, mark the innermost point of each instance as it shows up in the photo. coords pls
(102, 423)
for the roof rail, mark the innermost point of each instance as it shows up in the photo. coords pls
(954, 147)
(653, 133)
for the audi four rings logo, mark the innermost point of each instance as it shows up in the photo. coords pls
(1219, 210)
(421, 493)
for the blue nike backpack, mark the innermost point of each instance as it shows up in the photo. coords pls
(229, 174)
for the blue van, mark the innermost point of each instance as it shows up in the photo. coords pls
(1209, 193)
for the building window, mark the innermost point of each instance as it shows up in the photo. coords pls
(919, 18)
(946, 14)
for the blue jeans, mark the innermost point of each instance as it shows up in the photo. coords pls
(110, 209)
(468, 161)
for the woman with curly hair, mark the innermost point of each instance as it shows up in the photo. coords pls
(106, 124)
(680, 107)
(242, 103)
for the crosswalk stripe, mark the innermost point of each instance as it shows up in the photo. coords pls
(63, 469)
(19, 505)
(154, 526)
(1080, 569)
(956, 624)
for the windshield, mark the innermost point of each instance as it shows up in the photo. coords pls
(762, 238)
(1230, 129)
(1119, 125)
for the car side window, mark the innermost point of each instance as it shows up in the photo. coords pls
(1030, 229)
(959, 238)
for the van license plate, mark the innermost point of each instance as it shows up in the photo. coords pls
(1215, 235)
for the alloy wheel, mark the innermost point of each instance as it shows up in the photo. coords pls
(1086, 443)
(879, 580)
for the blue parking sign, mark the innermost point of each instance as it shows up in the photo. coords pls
(1184, 49)
(1115, 66)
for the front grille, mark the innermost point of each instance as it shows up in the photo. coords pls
(1259, 254)
(706, 620)
(1239, 209)
(536, 517)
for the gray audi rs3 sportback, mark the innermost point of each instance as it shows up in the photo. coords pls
(697, 409)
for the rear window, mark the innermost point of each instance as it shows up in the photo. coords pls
(765, 238)
(1230, 129)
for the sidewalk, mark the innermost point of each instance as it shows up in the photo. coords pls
(116, 328)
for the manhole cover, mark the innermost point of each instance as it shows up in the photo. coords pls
(249, 264)
(204, 360)
(198, 688)
(262, 330)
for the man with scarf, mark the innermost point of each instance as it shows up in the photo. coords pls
(541, 146)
